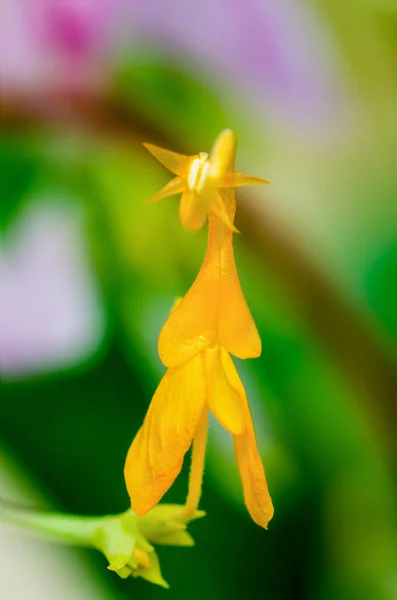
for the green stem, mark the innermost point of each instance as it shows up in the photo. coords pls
(63, 528)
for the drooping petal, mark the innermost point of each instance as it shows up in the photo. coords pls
(239, 180)
(256, 494)
(155, 457)
(191, 326)
(226, 401)
(174, 162)
(173, 187)
(193, 209)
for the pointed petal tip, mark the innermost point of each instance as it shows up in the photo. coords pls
(199, 514)
(233, 180)
(178, 538)
(150, 148)
(173, 161)
(261, 516)
(141, 507)
(172, 188)
(157, 579)
(117, 565)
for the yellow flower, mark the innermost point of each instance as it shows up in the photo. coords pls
(210, 322)
(199, 179)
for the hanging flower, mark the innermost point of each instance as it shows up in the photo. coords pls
(199, 179)
(211, 322)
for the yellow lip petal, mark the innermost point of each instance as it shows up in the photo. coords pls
(174, 162)
(237, 331)
(155, 457)
(214, 306)
(226, 402)
(191, 326)
(256, 494)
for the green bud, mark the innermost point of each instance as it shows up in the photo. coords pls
(125, 540)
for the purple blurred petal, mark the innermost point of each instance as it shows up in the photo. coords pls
(278, 53)
(76, 27)
(50, 313)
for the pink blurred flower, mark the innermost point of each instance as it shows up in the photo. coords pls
(51, 43)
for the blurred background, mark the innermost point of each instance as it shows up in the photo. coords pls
(89, 273)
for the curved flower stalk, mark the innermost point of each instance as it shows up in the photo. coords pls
(211, 322)
(199, 178)
(126, 540)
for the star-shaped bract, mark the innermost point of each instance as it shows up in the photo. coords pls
(198, 179)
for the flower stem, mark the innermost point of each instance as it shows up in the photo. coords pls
(63, 528)
(197, 467)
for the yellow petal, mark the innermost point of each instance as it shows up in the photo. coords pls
(219, 208)
(239, 180)
(155, 457)
(174, 162)
(193, 209)
(175, 186)
(222, 159)
(256, 494)
(223, 154)
(236, 328)
(226, 402)
(191, 326)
